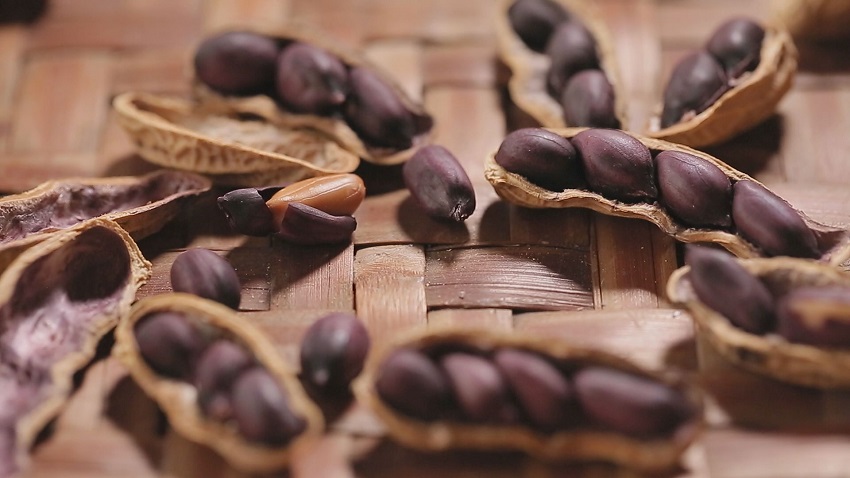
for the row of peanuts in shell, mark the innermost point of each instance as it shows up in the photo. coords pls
(605, 430)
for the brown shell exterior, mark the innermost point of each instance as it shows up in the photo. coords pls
(571, 445)
(814, 19)
(62, 372)
(265, 107)
(518, 190)
(178, 399)
(527, 85)
(751, 101)
(214, 140)
(770, 355)
(140, 221)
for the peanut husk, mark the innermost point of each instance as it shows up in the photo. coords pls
(753, 99)
(178, 399)
(834, 242)
(814, 20)
(770, 355)
(565, 445)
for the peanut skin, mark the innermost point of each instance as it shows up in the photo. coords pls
(261, 409)
(588, 100)
(571, 49)
(310, 79)
(206, 274)
(439, 184)
(333, 351)
(693, 190)
(237, 63)
(535, 20)
(543, 157)
(478, 387)
(696, 82)
(169, 344)
(616, 165)
(737, 45)
(409, 381)
(815, 315)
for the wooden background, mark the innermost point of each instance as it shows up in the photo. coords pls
(591, 279)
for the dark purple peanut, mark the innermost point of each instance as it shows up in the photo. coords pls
(630, 404)
(770, 223)
(169, 344)
(246, 211)
(410, 382)
(571, 49)
(544, 158)
(724, 286)
(535, 20)
(697, 81)
(439, 184)
(737, 45)
(204, 273)
(333, 351)
(616, 165)
(478, 387)
(306, 225)
(217, 368)
(237, 63)
(693, 190)
(375, 111)
(261, 409)
(588, 100)
(310, 79)
(815, 315)
(544, 395)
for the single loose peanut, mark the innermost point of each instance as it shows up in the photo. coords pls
(206, 274)
(337, 194)
(333, 351)
(439, 184)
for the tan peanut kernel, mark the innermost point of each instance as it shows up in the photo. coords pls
(338, 194)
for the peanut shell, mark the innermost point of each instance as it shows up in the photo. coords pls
(770, 355)
(750, 101)
(57, 300)
(529, 69)
(833, 242)
(265, 107)
(231, 146)
(141, 205)
(178, 399)
(574, 444)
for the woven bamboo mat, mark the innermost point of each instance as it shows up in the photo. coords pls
(591, 279)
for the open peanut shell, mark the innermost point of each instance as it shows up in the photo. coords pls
(770, 355)
(752, 100)
(57, 300)
(231, 146)
(527, 85)
(334, 126)
(178, 399)
(819, 20)
(575, 444)
(141, 205)
(834, 242)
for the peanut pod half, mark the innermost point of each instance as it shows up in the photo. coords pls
(265, 416)
(551, 97)
(814, 359)
(454, 388)
(764, 226)
(57, 300)
(319, 85)
(140, 204)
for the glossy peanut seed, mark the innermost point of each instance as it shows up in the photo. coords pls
(375, 111)
(630, 404)
(544, 394)
(544, 158)
(439, 184)
(693, 190)
(737, 45)
(413, 384)
(311, 79)
(696, 82)
(588, 100)
(206, 274)
(261, 409)
(308, 226)
(246, 212)
(770, 223)
(616, 165)
(169, 344)
(478, 387)
(333, 351)
(336, 194)
(217, 368)
(535, 20)
(724, 286)
(237, 63)
(815, 315)
(571, 49)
